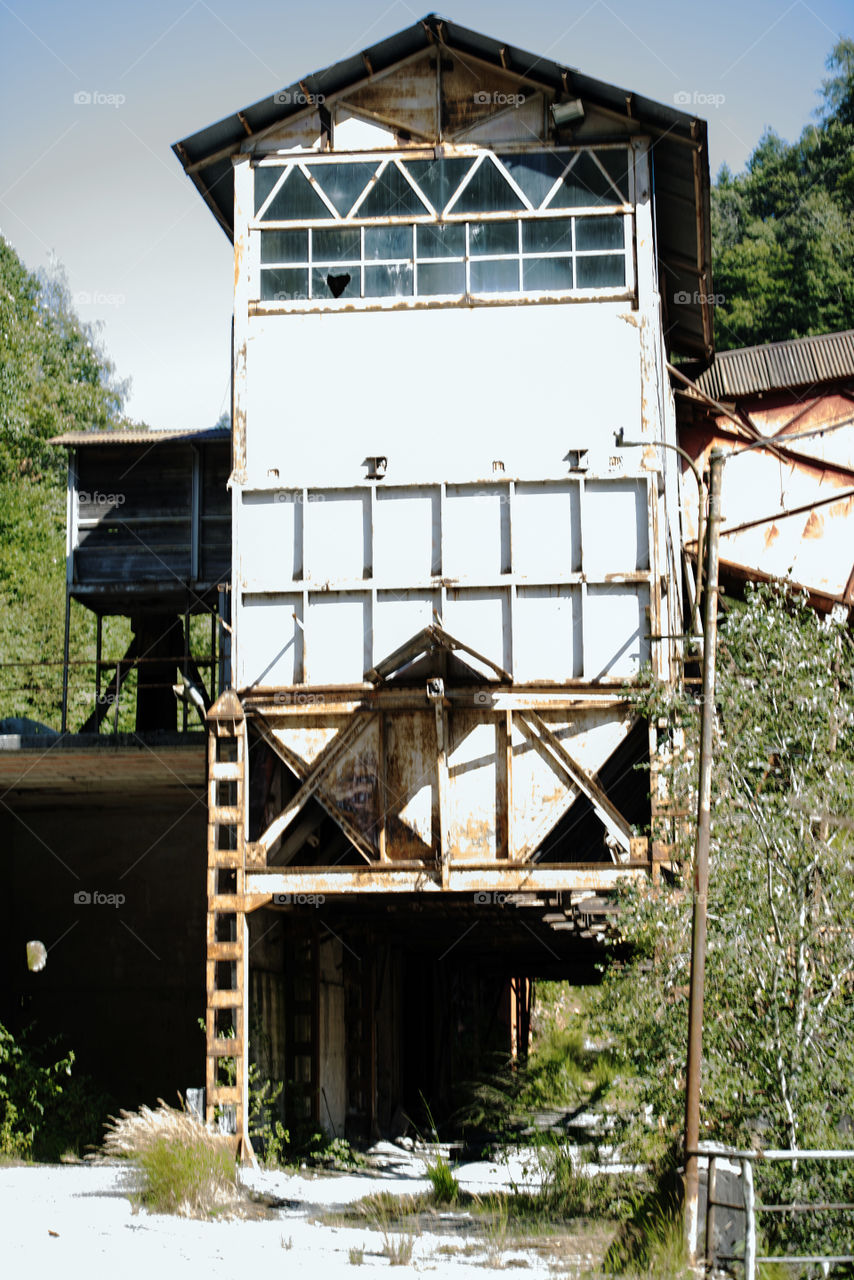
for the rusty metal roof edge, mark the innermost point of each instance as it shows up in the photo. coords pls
(192, 435)
(774, 366)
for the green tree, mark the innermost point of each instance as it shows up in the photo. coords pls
(778, 1066)
(783, 231)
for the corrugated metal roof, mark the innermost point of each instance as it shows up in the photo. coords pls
(203, 435)
(777, 365)
(681, 185)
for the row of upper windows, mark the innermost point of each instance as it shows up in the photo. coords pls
(456, 186)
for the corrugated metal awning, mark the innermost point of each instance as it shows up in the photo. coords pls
(205, 435)
(777, 366)
(680, 154)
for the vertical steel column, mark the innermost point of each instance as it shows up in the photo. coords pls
(701, 863)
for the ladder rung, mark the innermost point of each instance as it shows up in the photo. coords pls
(226, 772)
(224, 1047)
(225, 1093)
(225, 999)
(226, 815)
(225, 950)
(227, 903)
(225, 858)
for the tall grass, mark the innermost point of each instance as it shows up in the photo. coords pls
(183, 1168)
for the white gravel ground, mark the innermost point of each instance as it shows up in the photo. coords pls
(58, 1222)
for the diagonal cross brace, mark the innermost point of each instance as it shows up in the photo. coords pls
(556, 752)
(311, 786)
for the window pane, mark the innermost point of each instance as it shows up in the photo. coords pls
(439, 179)
(336, 246)
(284, 246)
(616, 165)
(493, 237)
(343, 183)
(488, 192)
(442, 240)
(607, 270)
(547, 273)
(388, 242)
(391, 197)
(584, 186)
(389, 282)
(296, 201)
(333, 283)
(265, 179)
(495, 277)
(441, 277)
(279, 286)
(598, 233)
(547, 235)
(536, 174)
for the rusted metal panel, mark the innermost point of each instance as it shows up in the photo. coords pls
(461, 880)
(777, 366)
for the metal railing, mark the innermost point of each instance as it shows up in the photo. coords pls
(739, 1165)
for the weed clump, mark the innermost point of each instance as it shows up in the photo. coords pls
(183, 1168)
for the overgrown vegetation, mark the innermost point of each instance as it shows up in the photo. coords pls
(778, 1066)
(182, 1167)
(45, 1111)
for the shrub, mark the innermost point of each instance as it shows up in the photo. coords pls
(185, 1169)
(28, 1088)
(446, 1189)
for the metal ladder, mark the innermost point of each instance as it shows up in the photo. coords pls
(226, 1079)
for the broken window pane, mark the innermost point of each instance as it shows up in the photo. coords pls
(599, 233)
(389, 282)
(547, 273)
(547, 235)
(605, 270)
(439, 179)
(494, 276)
(441, 277)
(441, 240)
(388, 242)
(335, 282)
(493, 237)
(284, 246)
(336, 245)
(284, 284)
(343, 183)
(488, 192)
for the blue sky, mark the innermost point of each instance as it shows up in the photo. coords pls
(97, 186)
